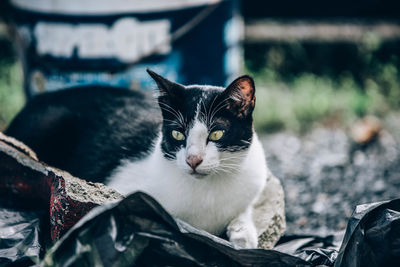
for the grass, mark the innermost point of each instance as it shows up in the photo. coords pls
(308, 99)
(12, 96)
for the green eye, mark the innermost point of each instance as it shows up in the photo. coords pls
(216, 135)
(177, 135)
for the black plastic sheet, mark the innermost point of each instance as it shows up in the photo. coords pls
(319, 251)
(19, 237)
(138, 232)
(372, 237)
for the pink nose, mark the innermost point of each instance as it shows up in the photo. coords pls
(194, 161)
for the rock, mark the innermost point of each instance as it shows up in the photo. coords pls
(269, 213)
(11, 141)
(22, 177)
(31, 183)
(72, 198)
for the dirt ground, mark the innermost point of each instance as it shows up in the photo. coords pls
(325, 174)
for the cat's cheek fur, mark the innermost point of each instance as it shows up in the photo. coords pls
(231, 162)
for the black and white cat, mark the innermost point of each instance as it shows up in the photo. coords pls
(199, 157)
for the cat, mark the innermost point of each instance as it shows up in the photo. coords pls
(196, 152)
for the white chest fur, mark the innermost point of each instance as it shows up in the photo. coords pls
(209, 203)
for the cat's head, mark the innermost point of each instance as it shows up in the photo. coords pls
(206, 130)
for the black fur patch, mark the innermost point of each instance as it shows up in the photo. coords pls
(88, 131)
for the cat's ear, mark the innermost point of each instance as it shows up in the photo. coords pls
(240, 95)
(166, 87)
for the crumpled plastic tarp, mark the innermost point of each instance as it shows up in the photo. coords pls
(137, 231)
(19, 237)
(313, 249)
(373, 236)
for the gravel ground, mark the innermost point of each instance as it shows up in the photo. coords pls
(325, 174)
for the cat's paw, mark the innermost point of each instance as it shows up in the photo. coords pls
(243, 237)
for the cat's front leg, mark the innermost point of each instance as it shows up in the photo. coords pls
(242, 232)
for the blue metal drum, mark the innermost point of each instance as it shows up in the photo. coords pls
(76, 42)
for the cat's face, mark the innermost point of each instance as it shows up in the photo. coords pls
(206, 130)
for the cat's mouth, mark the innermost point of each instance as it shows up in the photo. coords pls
(198, 175)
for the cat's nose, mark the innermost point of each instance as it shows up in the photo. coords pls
(194, 161)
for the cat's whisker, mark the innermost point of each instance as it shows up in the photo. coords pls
(182, 119)
(234, 149)
(179, 122)
(205, 114)
(230, 165)
(168, 108)
(236, 161)
(174, 112)
(233, 160)
(245, 142)
(212, 112)
(225, 171)
(171, 110)
(218, 107)
(222, 102)
(216, 172)
(169, 155)
(172, 122)
(239, 156)
(211, 107)
(232, 157)
(230, 169)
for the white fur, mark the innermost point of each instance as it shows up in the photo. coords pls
(224, 193)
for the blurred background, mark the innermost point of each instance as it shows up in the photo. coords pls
(328, 100)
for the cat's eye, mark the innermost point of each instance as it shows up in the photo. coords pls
(177, 135)
(216, 135)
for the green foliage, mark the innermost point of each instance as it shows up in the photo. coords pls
(298, 104)
(301, 84)
(12, 97)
